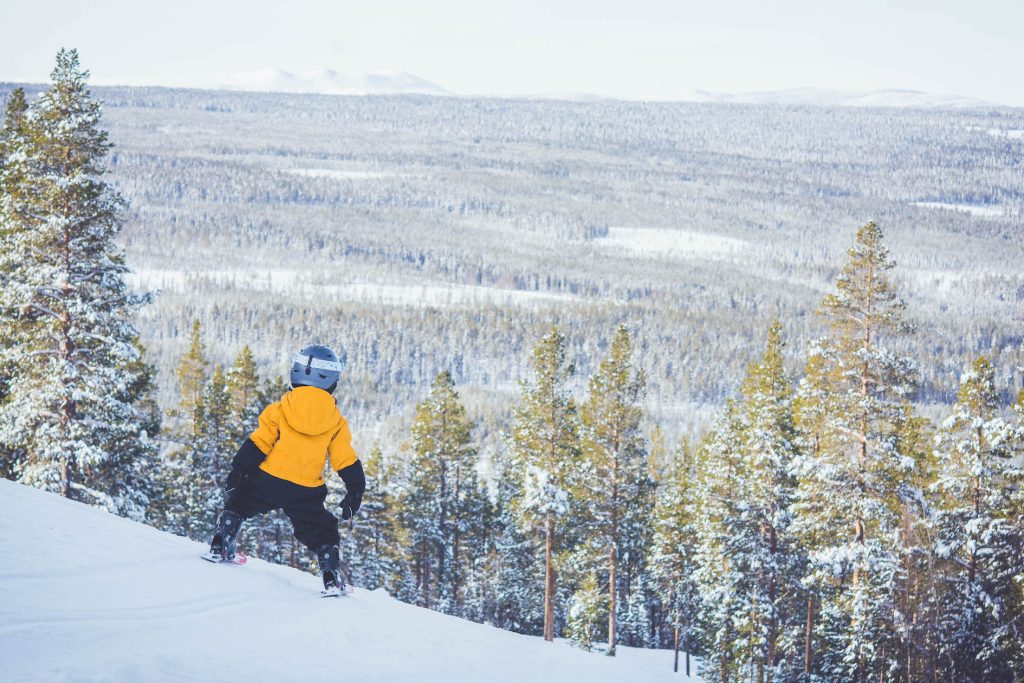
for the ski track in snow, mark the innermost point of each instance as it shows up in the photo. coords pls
(88, 597)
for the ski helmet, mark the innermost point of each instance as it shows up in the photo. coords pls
(316, 366)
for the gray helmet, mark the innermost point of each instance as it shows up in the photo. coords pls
(316, 366)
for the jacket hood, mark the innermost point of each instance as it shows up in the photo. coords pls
(310, 410)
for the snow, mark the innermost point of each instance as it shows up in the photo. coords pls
(1011, 134)
(87, 596)
(671, 243)
(298, 283)
(973, 209)
(338, 174)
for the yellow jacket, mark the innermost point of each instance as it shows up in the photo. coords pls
(298, 432)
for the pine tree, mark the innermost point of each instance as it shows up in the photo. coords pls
(373, 549)
(243, 386)
(181, 479)
(545, 440)
(513, 563)
(747, 530)
(851, 493)
(444, 501)
(72, 370)
(673, 557)
(13, 139)
(613, 484)
(979, 539)
(720, 582)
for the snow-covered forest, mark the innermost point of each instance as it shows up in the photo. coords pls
(637, 374)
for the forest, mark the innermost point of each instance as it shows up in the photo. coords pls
(617, 383)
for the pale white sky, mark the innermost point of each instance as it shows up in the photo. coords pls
(651, 49)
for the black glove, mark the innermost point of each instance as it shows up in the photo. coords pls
(350, 504)
(248, 458)
(355, 484)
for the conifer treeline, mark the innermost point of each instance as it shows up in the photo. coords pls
(822, 531)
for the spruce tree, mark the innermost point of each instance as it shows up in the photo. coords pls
(545, 440)
(587, 608)
(978, 538)
(851, 493)
(613, 483)
(75, 362)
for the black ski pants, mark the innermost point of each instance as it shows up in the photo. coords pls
(261, 492)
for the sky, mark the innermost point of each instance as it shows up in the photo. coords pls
(631, 49)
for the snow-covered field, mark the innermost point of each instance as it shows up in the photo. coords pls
(87, 597)
(672, 243)
(338, 174)
(298, 283)
(973, 209)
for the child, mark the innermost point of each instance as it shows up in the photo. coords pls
(281, 463)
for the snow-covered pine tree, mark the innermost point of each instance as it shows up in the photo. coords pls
(773, 556)
(720, 583)
(70, 402)
(546, 444)
(514, 563)
(979, 537)
(613, 483)
(587, 608)
(748, 530)
(373, 547)
(443, 503)
(211, 458)
(13, 141)
(851, 493)
(180, 480)
(673, 559)
(243, 386)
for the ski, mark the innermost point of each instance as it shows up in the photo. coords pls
(337, 591)
(239, 558)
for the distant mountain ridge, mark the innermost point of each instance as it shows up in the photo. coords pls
(331, 82)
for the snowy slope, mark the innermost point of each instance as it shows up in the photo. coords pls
(87, 596)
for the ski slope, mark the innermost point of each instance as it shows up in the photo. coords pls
(86, 596)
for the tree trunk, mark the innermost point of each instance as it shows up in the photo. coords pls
(807, 635)
(549, 580)
(611, 599)
(675, 664)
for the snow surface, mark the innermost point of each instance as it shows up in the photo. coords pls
(298, 283)
(338, 174)
(668, 242)
(973, 209)
(88, 596)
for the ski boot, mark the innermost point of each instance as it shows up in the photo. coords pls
(222, 547)
(328, 557)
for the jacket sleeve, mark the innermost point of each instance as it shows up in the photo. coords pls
(267, 433)
(246, 460)
(340, 448)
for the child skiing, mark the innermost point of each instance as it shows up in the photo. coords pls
(281, 464)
